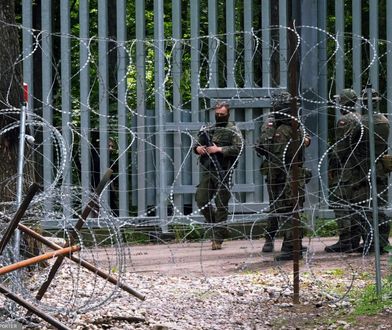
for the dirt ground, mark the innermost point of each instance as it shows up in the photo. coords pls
(184, 280)
(197, 259)
(242, 256)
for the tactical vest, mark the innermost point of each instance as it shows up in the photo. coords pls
(345, 134)
(381, 135)
(222, 137)
(264, 143)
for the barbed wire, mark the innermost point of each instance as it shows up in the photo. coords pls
(103, 239)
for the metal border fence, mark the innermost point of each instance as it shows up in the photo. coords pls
(144, 175)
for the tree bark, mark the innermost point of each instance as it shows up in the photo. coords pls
(11, 96)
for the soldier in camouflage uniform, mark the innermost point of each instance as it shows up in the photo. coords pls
(343, 173)
(276, 145)
(361, 190)
(219, 151)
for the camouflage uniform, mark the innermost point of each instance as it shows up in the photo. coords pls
(229, 137)
(279, 151)
(264, 148)
(361, 189)
(343, 174)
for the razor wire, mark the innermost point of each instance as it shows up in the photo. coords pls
(104, 239)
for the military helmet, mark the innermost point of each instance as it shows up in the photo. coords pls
(347, 97)
(375, 96)
(281, 101)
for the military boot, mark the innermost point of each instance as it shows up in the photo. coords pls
(215, 245)
(268, 245)
(287, 253)
(338, 247)
(342, 245)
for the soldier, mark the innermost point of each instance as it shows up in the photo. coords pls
(343, 173)
(219, 147)
(276, 145)
(362, 191)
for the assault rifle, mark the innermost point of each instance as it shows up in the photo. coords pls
(208, 142)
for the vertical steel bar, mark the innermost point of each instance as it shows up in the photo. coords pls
(212, 45)
(177, 98)
(266, 39)
(103, 69)
(373, 178)
(27, 21)
(373, 36)
(141, 107)
(84, 49)
(249, 82)
(248, 43)
(339, 30)
(46, 13)
(232, 61)
(20, 165)
(283, 42)
(230, 41)
(323, 93)
(249, 175)
(389, 86)
(309, 81)
(283, 59)
(122, 110)
(357, 42)
(160, 111)
(293, 87)
(195, 63)
(66, 106)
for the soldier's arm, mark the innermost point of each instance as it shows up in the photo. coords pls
(198, 146)
(307, 140)
(235, 148)
(260, 148)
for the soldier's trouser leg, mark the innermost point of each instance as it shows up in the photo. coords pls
(384, 221)
(348, 227)
(220, 230)
(349, 232)
(287, 251)
(204, 194)
(368, 221)
(272, 227)
(270, 233)
(288, 232)
(384, 228)
(343, 220)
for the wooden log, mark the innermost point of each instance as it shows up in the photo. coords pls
(34, 260)
(79, 224)
(33, 189)
(32, 309)
(81, 262)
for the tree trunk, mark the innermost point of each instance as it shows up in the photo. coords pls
(11, 96)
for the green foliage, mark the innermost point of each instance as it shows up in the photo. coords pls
(371, 303)
(188, 232)
(337, 272)
(135, 237)
(326, 228)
